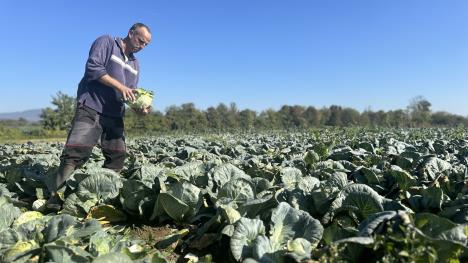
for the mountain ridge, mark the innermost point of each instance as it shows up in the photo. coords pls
(29, 115)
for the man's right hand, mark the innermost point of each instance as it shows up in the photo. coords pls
(127, 93)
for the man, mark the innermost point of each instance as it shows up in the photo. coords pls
(111, 75)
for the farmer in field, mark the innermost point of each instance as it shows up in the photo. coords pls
(110, 78)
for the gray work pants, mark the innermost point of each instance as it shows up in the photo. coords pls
(88, 129)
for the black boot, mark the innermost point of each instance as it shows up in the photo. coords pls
(55, 203)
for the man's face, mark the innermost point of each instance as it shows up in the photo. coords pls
(139, 38)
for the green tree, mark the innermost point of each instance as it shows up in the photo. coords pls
(173, 117)
(194, 119)
(398, 118)
(61, 116)
(349, 117)
(446, 119)
(268, 119)
(324, 115)
(232, 118)
(312, 116)
(381, 119)
(214, 119)
(364, 119)
(419, 110)
(334, 118)
(186, 118)
(292, 117)
(247, 119)
(136, 124)
(228, 117)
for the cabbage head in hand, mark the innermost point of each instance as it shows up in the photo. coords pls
(143, 99)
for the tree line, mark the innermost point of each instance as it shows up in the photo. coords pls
(188, 118)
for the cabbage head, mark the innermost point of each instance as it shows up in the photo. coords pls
(143, 99)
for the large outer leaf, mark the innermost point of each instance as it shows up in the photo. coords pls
(356, 240)
(187, 193)
(245, 232)
(181, 202)
(254, 207)
(101, 243)
(456, 235)
(76, 206)
(448, 238)
(432, 166)
(67, 229)
(147, 174)
(288, 223)
(403, 178)
(193, 172)
(370, 224)
(367, 176)
(299, 249)
(59, 253)
(137, 198)
(58, 226)
(311, 157)
(330, 165)
(457, 210)
(27, 217)
(307, 184)
(239, 190)
(329, 188)
(348, 154)
(113, 257)
(432, 197)
(102, 186)
(266, 251)
(4, 192)
(228, 210)
(222, 174)
(173, 207)
(9, 237)
(261, 184)
(335, 232)
(290, 176)
(337, 180)
(8, 213)
(432, 225)
(357, 198)
(82, 230)
(19, 250)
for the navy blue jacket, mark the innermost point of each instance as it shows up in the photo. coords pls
(107, 57)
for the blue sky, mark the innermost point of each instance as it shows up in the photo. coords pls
(259, 54)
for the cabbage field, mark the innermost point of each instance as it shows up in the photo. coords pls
(325, 195)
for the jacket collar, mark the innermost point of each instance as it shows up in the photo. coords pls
(119, 40)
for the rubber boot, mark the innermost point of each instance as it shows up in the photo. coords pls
(63, 174)
(55, 203)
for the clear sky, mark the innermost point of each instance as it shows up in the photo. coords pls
(260, 54)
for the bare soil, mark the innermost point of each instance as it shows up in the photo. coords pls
(153, 234)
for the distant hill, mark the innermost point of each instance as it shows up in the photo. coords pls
(29, 115)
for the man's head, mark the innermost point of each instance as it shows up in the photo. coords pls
(139, 36)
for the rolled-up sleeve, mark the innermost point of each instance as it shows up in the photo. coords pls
(98, 55)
